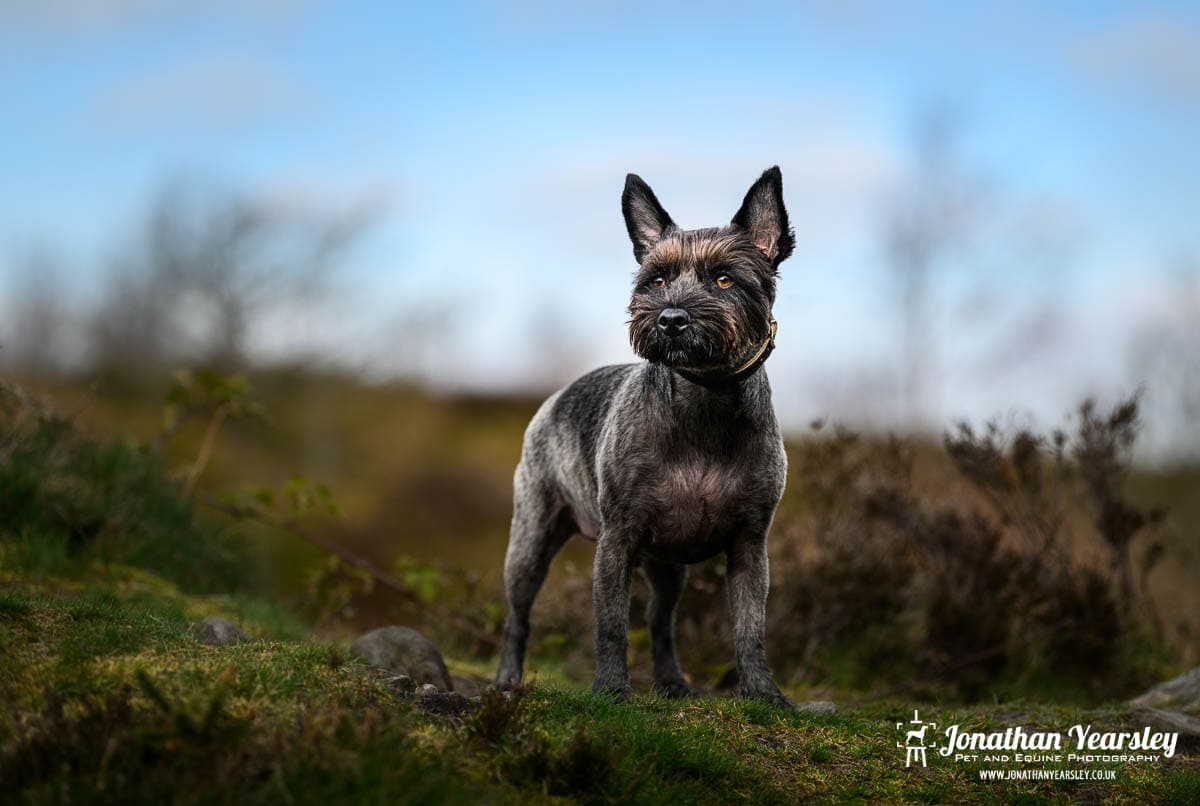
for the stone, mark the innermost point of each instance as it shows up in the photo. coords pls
(1180, 693)
(402, 684)
(470, 687)
(406, 652)
(1182, 724)
(816, 707)
(443, 703)
(216, 631)
(426, 689)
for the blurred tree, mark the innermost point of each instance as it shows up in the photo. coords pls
(1165, 356)
(559, 355)
(205, 266)
(933, 213)
(32, 339)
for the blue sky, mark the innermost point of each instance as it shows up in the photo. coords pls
(494, 139)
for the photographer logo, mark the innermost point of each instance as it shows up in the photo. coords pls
(1080, 744)
(914, 739)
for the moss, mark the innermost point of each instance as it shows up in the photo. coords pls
(112, 700)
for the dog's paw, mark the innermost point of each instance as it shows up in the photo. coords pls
(674, 689)
(507, 682)
(775, 698)
(780, 701)
(614, 691)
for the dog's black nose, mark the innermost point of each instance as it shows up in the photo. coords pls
(673, 321)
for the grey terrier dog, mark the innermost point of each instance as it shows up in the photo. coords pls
(670, 461)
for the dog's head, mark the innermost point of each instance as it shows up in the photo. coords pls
(702, 298)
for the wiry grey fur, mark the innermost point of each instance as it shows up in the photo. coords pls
(660, 471)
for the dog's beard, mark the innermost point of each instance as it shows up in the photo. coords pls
(716, 338)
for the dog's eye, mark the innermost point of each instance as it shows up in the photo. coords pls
(724, 281)
(658, 282)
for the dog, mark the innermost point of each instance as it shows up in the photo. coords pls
(669, 461)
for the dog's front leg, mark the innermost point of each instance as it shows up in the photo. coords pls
(610, 597)
(748, 578)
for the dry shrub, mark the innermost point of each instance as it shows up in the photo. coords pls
(982, 591)
(1101, 452)
(849, 587)
(500, 715)
(978, 589)
(584, 769)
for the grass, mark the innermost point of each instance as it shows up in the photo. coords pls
(106, 697)
(112, 700)
(109, 699)
(415, 474)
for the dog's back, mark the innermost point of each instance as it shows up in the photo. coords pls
(563, 439)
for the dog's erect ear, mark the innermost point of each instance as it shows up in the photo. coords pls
(764, 218)
(645, 218)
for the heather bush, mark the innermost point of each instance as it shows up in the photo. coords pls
(1015, 577)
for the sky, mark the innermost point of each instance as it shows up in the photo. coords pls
(493, 140)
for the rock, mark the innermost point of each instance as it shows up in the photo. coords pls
(442, 703)
(816, 707)
(406, 652)
(469, 687)
(1181, 693)
(400, 683)
(1182, 724)
(216, 631)
(426, 696)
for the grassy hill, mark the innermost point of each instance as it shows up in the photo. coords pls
(104, 564)
(109, 699)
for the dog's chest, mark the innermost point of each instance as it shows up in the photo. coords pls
(695, 499)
